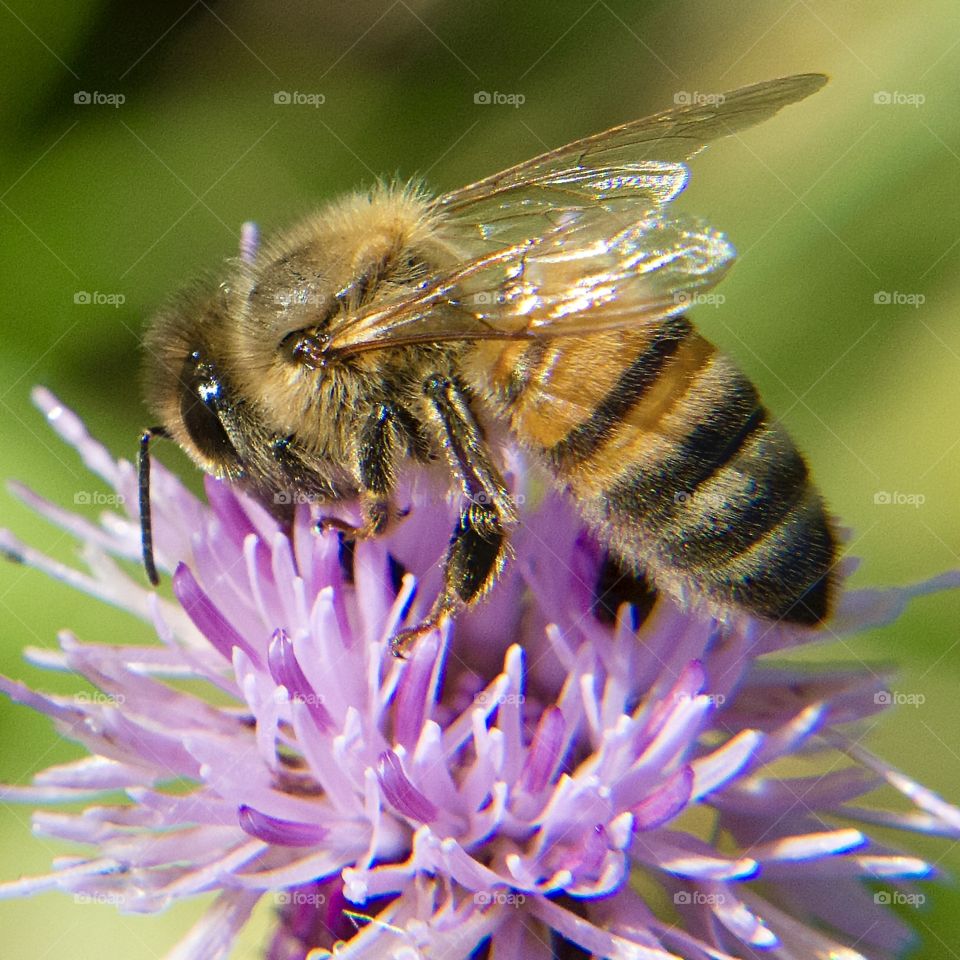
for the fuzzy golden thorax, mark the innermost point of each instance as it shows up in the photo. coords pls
(292, 423)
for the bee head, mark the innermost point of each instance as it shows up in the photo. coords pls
(185, 385)
(188, 392)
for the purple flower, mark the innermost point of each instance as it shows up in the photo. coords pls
(529, 779)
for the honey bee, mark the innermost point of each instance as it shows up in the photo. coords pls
(545, 303)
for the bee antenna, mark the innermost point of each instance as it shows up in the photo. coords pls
(146, 521)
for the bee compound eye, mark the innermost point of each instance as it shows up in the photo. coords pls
(206, 431)
(202, 399)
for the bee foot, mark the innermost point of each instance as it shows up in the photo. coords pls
(350, 531)
(402, 643)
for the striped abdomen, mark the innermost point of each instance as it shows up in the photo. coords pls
(672, 457)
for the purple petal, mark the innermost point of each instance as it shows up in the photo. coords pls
(286, 833)
(714, 770)
(688, 857)
(590, 937)
(97, 772)
(666, 802)
(286, 671)
(71, 429)
(545, 751)
(249, 241)
(207, 618)
(214, 934)
(809, 846)
(223, 500)
(401, 794)
(416, 692)
(743, 923)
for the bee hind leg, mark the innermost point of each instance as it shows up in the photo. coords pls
(619, 583)
(479, 544)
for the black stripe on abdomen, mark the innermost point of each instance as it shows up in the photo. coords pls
(739, 504)
(658, 493)
(788, 574)
(583, 441)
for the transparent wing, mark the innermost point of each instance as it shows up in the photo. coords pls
(639, 163)
(593, 273)
(576, 240)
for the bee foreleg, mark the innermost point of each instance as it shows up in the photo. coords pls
(479, 544)
(376, 515)
(377, 451)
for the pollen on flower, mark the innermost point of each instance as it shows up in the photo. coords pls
(530, 782)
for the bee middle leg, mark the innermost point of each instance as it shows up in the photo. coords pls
(479, 543)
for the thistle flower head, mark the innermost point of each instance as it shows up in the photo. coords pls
(529, 781)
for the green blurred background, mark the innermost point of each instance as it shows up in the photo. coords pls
(846, 197)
